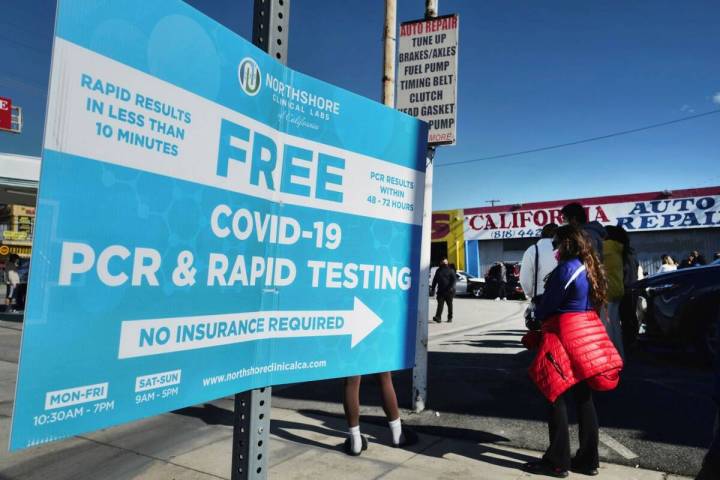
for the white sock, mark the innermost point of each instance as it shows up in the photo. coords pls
(355, 439)
(396, 429)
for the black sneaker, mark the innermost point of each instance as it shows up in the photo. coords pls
(583, 469)
(449, 320)
(590, 471)
(541, 467)
(436, 320)
(409, 437)
(347, 446)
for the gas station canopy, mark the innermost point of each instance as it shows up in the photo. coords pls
(19, 175)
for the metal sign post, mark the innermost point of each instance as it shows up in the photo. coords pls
(251, 430)
(419, 383)
(251, 422)
(417, 77)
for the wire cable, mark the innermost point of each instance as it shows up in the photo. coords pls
(578, 142)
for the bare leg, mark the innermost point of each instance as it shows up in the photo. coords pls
(389, 399)
(401, 435)
(351, 401)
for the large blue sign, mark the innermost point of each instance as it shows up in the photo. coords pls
(209, 221)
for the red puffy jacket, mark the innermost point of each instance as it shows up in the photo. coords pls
(575, 347)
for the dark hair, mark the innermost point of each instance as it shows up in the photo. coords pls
(616, 233)
(574, 213)
(548, 231)
(574, 243)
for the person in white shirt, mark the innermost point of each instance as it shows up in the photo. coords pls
(668, 264)
(12, 279)
(546, 262)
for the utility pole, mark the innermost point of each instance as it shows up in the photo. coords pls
(251, 419)
(492, 202)
(389, 37)
(419, 392)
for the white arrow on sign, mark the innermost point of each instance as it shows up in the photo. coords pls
(139, 338)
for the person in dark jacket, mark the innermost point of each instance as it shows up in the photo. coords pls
(444, 280)
(498, 273)
(699, 260)
(575, 354)
(689, 261)
(574, 214)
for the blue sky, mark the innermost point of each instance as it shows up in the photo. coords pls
(531, 74)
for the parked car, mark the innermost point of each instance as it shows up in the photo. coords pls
(469, 285)
(683, 306)
(466, 283)
(513, 290)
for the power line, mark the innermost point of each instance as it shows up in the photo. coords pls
(577, 142)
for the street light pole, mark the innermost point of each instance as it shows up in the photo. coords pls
(389, 37)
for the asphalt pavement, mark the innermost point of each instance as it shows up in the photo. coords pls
(659, 418)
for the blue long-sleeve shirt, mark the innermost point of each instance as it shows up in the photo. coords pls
(559, 299)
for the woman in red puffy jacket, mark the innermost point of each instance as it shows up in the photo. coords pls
(575, 355)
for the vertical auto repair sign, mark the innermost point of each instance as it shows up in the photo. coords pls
(427, 77)
(5, 113)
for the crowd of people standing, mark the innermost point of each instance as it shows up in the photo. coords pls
(579, 320)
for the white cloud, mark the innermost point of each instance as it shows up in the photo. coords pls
(687, 108)
(716, 98)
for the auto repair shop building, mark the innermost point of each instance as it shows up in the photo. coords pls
(658, 223)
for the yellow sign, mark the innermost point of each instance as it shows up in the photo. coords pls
(447, 227)
(23, 252)
(13, 235)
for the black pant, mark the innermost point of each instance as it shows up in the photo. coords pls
(711, 463)
(502, 290)
(558, 454)
(442, 298)
(629, 320)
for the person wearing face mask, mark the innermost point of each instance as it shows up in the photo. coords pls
(574, 353)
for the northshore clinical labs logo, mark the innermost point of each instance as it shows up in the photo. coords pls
(249, 76)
